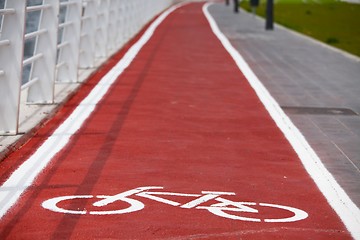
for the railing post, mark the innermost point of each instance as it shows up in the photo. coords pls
(87, 39)
(133, 16)
(120, 38)
(11, 60)
(68, 58)
(126, 21)
(102, 21)
(44, 68)
(112, 27)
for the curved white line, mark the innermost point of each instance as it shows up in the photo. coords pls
(335, 195)
(51, 204)
(298, 213)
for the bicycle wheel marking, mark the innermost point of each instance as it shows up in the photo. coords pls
(223, 207)
(299, 214)
(51, 204)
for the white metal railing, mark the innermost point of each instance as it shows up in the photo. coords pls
(70, 35)
(11, 57)
(68, 47)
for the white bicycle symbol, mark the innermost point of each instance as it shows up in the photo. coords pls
(223, 207)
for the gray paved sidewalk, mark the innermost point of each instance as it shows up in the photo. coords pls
(317, 86)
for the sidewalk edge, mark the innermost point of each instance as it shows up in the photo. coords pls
(348, 212)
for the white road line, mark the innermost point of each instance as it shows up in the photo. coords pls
(25, 175)
(335, 195)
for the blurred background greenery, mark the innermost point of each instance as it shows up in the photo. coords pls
(333, 22)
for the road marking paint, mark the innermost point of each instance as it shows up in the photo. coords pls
(335, 195)
(223, 208)
(150, 195)
(24, 176)
(199, 201)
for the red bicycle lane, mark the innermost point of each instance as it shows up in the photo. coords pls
(182, 117)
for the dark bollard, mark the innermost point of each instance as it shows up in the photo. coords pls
(269, 15)
(236, 6)
(227, 2)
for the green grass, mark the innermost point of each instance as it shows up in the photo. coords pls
(332, 22)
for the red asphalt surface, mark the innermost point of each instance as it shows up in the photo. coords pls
(182, 116)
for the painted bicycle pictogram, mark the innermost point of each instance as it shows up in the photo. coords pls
(212, 201)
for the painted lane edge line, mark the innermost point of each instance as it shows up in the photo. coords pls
(12, 189)
(333, 192)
